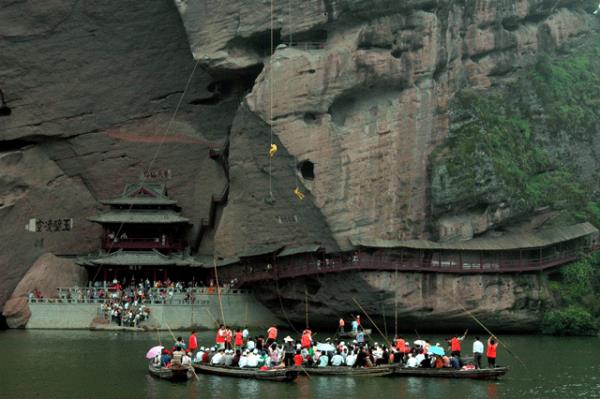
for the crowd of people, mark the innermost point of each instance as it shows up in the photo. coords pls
(239, 349)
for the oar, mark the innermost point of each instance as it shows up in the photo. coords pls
(371, 320)
(489, 332)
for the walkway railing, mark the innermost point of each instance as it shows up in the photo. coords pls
(252, 273)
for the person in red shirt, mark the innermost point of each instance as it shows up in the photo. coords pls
(455, 344)
(271, 335)
(193, 343)
(491, 352)
(401, 347)
(220, 338)
(238, 339)
(298, 359)
(306, 340)
(228, 337)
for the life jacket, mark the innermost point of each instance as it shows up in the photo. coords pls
(455, 344)
(239, 339)
(298, 360)
(272, 333)
(227, 335)
(192, 343)
(305, 341)
(401, 345)
(220, 339)
(491, 350)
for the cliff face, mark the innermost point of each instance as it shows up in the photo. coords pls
(362, 105)
(425, 301)
(363, 93)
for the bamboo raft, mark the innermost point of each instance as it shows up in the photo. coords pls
(173, 374)
(277, 375)
(476, 374)
(350, 371)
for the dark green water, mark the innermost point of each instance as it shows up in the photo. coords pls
(87, 364)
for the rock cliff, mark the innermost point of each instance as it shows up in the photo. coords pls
(360, 97)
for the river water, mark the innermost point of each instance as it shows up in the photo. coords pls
(88, 364)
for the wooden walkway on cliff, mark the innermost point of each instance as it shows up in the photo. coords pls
(511, 253)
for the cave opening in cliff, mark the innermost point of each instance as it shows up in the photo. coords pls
(4, 108)
(314, 36)
(307, 169)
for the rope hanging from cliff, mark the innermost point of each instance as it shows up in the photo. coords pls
(273, 147)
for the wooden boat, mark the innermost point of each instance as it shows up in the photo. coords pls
(277, 375)
(477, 374)
(349, 371)
(174, 374)
(350, 334)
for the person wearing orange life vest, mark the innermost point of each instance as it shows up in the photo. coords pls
(455, 344)
(238, 339)
(341, 325)
(193, 344)
(271, 335)
(492, 345)
(228, 337)
(220, 338)
(401, 347)
(306, 340)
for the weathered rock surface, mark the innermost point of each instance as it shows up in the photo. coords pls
(46, 274)
(92, 88)
(425, 301)
(369, 103)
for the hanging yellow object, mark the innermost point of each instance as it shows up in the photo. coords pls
(273, 150)
(298, 193)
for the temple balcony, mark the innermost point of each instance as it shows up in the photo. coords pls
(143, 244)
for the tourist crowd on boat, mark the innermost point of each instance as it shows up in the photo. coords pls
(237, 348)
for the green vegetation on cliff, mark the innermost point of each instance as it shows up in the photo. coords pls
(575, 286)
(525, 145)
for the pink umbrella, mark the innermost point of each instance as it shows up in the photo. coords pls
(154, 351)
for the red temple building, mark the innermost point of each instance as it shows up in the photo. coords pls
(144, 236)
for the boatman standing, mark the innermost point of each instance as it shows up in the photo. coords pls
(220, 339)
(193, 344)
(477, 352)
(306, 340)
(491, 352)
(271, 335)
(342, 323)
(455, 344)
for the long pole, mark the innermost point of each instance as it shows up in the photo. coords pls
(396, 302)
(218, 290)
(489, 332)
(371, 320)
(306, 307)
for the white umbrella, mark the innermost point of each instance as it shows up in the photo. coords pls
(325, 347)
(419, 342)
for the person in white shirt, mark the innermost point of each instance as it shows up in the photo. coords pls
(228, 357)
(245, 334)
(337, 360)
(218, 359)
(186, 360)
(323, 360)
(243, 360)
(412, 361)
(250, 345)
(199, 354)
(351, 359)
(477, 352)
(253, 358)
(420, 357)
